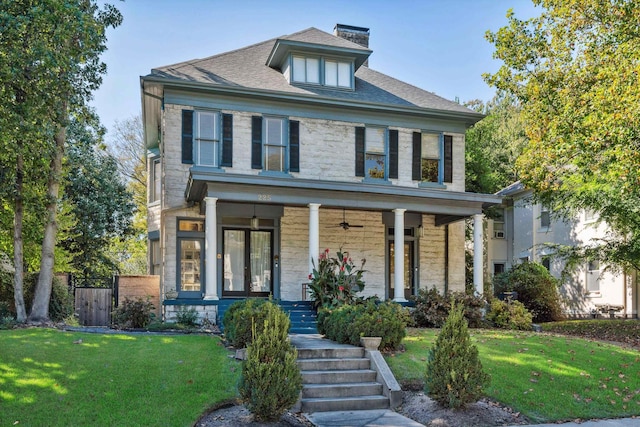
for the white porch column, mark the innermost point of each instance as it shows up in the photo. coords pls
(478, 255)
(398, 255)
(210, 248)
(314, 234)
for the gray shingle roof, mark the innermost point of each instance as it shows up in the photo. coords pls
(246, 68)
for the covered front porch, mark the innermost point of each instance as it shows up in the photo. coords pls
(262, 234)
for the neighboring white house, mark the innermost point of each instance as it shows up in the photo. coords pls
(523, 229)
(262, 157)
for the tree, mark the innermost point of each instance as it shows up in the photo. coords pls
(128, 147)
(493, 144)
(575, 71)
(98, 202)
(50, 65)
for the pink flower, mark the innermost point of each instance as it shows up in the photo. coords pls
(344, 259)
(342, 268)
(341, 288)
(350, 260)
(326, 250)
(310, 276)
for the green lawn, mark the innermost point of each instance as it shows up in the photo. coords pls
(49, 378)
(547, 378)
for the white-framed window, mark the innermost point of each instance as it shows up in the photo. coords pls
(545, 217)
(156, 180)
(275, 144)
(430, 157)
(306, 70)
(593, 277)
(498, 224)
(337, 73)
(375, 163)
(206, 138)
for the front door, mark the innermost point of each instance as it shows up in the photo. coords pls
(408, 269)
(248, 263)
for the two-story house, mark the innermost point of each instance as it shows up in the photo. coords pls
(523, 231)
(262, 157)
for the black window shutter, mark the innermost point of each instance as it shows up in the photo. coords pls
(294, 146)
(448, 158)
(227, 140)
(393, 154)
(187, 136)
(416, 161)
(256, 142)
(359, 151)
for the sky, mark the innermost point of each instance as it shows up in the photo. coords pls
(437, 45)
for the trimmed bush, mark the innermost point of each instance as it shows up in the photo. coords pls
(61, 304)
(239, 318)
(347, 323)
(136, 313)
(432, 308)
(537, 289)
(188, 318)
(454, 376)
(509, 315)
(271, 380)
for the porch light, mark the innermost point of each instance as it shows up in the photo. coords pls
(255, 222)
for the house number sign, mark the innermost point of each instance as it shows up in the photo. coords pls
(264, 197)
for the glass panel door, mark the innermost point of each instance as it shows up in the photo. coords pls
(408, 269)
(247, 263)
(190, 261)
(260, 261)
(234, 261)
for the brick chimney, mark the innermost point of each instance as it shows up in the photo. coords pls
(358, 35)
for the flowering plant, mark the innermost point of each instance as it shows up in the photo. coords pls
(335, 280)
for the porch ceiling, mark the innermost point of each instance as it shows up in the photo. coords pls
(448, 206)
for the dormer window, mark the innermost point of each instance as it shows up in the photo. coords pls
(321, 71)
(306, 70)
(337, 73)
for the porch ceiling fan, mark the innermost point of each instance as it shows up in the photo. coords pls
(345, 225)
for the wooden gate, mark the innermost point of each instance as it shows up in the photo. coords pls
(94, 306)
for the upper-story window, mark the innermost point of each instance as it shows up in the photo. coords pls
(376, 153)
(207, 138)
(337, 73)
(432, 157)
(155, 180)
(306, 70)
(498, 224)
(275, 144)
(545, 217)
(375, 162)
(322, 71)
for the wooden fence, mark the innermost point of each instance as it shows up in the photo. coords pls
(94, 306)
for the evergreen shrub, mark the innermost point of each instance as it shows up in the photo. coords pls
(134, 313)
(368, 318)
(271, 381)
(432, 308)
(509, 315)
(454, 376)
(239, 318)
(537, 289)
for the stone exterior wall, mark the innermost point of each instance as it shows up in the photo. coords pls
(134, 287)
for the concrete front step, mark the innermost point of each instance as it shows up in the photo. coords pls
(325, 404)
(330, 353)
(341, 390)
(338, 377)
(333, 364)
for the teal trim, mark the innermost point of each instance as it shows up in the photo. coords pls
(153, 235)
(275, 174)
(434, 185)
(468, 118)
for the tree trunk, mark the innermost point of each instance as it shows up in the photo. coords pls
(18, 253)
(40, 308)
